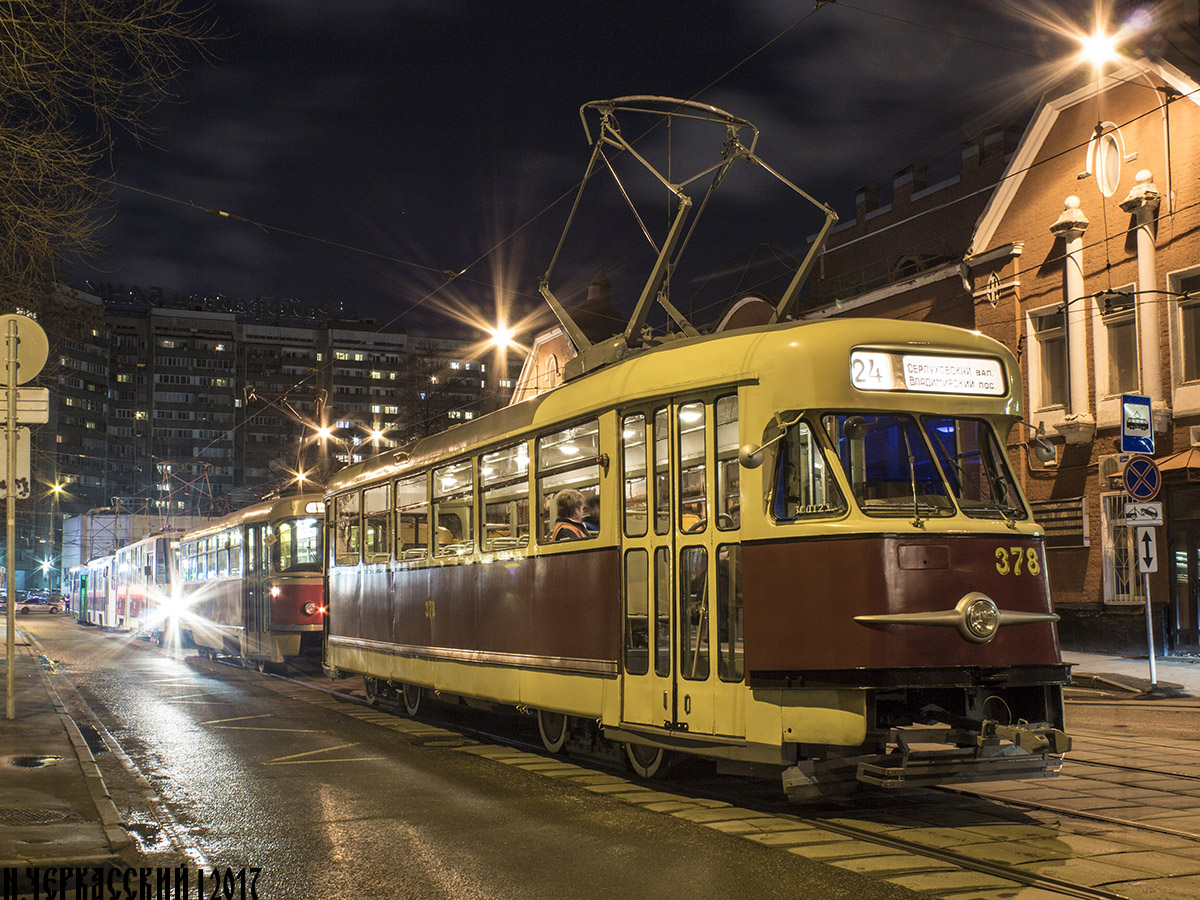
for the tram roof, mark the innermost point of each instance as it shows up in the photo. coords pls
(730, 358)
(257, 512)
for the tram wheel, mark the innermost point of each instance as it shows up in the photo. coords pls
(552, 727)
(371, 686)
(411, 695)
(647, 762)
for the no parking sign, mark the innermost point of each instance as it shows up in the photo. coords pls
(1142, 478)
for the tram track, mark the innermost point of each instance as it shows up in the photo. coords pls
(756, 796)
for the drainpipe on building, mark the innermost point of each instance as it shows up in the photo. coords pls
(1143, 202)
(1079, 427)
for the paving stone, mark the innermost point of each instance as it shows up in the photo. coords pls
(1014, 853)
(724, 814)
(943, 884)
(1127, 793)
(1160, 888)
(1090, 872)
(899, 863)
(1011, 831)
(847, 849)
(647, 796)
(796, 838)
(1168, 865)
(1021, 892)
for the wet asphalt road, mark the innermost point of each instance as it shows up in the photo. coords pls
(221, 771)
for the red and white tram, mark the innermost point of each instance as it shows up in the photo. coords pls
(144, 578)
(252, 583)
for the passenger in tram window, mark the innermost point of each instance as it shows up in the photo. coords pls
(591, 513)
(568, 504)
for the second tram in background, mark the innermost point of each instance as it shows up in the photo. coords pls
(251, 582)
(131, 589)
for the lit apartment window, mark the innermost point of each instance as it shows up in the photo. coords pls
(1050, 362)
(341, 354)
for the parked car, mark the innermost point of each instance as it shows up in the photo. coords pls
(31, 603)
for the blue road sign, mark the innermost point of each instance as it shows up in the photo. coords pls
(1137, 425)
(1142, 478)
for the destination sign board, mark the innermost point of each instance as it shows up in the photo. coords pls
(872, 370)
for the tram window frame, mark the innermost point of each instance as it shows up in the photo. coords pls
(635, 503)
(986, 469)
(662, 471)
(731, 626)
(347, 529)
(281, 563)
(880, 467)
(728, 484)
(235, 553)
(694, 661)
(815, 479)
(460, 502)
(376, 516)
(693, 479)
(637, 612)
(504, 497)
(579, 471)
(411, 495)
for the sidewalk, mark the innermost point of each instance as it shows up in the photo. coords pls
(54, 807)
(1130, 676)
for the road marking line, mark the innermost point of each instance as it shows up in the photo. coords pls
(236, 719)
(294, 759)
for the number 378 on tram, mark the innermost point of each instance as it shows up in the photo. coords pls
(803, 545)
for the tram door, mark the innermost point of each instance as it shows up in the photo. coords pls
(256, 593)
(679, 562)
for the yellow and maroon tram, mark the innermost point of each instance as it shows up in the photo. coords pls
(252, 583)
(811, 551)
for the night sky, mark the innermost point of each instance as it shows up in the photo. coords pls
(382, 143)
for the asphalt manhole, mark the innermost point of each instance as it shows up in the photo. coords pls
(33, 762)
(33, 817)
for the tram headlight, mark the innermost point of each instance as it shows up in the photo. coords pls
(981, 618)
(310, 608)
(276, 590)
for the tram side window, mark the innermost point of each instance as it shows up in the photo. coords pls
(693, 473)
(569, 459)
(377, 511)
(804, 486)
(453, 506)
(662, 472)
(693, 613)
(730, 645)
(637, 612)
(976, 467)
(504, 480)
(412, 518)
(346, 529)
(235, 553)
(729, 471)
(298, 545)
(633, 445)
(210, 556)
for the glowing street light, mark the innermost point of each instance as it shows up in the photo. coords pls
(1099, 48)
(503, 337)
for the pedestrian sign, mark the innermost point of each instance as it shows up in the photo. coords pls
(1137, 425)
(1142, 478)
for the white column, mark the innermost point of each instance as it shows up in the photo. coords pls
(1071, 225)
(1143, 202)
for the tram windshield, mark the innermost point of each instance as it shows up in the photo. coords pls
(888, 465)
(298, 545)
(975, 466)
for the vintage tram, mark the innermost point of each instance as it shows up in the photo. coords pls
(251, 582)
(811, 552)
(98, 600)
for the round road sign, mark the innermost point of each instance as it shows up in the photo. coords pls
(1142, 478)
(32, 348)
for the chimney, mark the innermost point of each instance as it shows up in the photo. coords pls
(907, 182)
(866, 199)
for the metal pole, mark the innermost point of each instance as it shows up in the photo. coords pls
(1150, 632)
(11, 530)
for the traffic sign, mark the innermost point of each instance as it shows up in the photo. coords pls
(1137, 424)
(21, 471)
(1142, 478)
(33, 405)
(31, 349)
(1143, 513)
(1147, 550)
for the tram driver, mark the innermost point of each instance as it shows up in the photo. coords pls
(568, 526)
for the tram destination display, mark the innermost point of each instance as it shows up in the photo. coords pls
(872, 370)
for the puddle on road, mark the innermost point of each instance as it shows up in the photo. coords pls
(148, 836)
(33, 762)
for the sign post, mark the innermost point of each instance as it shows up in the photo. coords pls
(1142, 481)
(26, 349)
